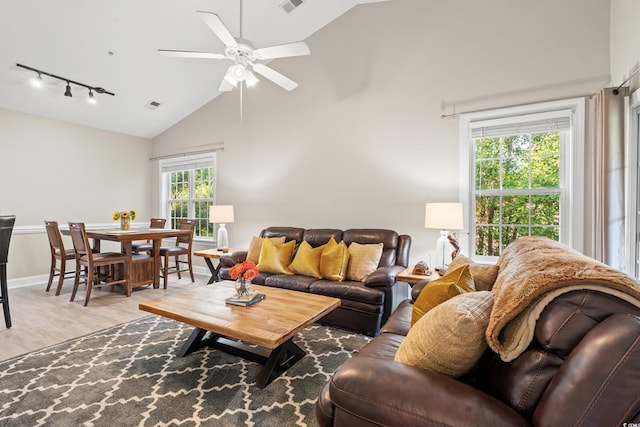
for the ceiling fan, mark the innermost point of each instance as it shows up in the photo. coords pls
(243, 55)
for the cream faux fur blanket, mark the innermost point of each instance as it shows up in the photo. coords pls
(532, 272)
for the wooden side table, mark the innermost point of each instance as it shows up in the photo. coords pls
(407, 276)
(208, 255)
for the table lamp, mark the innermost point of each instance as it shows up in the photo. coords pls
(221, 215)
(445, 217)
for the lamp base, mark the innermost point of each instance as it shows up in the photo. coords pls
(222, 242)
(441, 251)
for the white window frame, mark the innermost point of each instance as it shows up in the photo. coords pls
(180, 163)
(571, 169)
(632, 195)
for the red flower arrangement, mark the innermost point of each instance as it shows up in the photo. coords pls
(248, 270)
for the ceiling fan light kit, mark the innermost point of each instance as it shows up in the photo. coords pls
(246, 60)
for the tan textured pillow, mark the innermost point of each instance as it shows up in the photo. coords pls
(363, 260)
(276, 259)
(449, 339)
(334, 260)
(307, 260)
(253, 254)
(452, 284)
(484, 276)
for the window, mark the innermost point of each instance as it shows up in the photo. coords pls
(524, 175)
(187, 191)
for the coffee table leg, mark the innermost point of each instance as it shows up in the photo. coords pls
(281, 359)
(193, 343)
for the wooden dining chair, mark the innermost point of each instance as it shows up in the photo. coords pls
(147, 246)
(183, 246)
(6, 228)
(99, 268)
(58, 255)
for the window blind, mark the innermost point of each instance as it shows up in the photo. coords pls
(195, 163)
(554, 121)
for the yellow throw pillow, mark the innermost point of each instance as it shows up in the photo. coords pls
(454, 283)
(363, 260)
(253, 254)
(450, 339)
(484, 276)
(307, 260)
(276, 258)
(334, 261)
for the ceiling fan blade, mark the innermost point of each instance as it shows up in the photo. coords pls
(283, 51)
(275, 77)
(217, 26)
(190, 54)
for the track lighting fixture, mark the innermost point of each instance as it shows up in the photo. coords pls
(37, 81)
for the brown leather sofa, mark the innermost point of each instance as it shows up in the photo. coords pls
(365, 306)
(582, 368)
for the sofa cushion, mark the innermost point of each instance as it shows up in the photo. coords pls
(484, 276)
(348, 290)
(307, 260)
(276, 258)
(388, 238)
(287, 281)
(253, 254)
(334, 261)
(454, 283)
(449, 339)
(363, 260)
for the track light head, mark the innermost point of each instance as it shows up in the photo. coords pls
(37, 80)
(67, 92)
(92, 100)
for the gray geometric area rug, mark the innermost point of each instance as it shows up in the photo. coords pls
(129, 375)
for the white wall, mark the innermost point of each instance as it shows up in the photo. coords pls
(625, 41)
(59, 171)
(360, 143)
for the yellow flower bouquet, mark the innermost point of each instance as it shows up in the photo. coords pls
(125, 217)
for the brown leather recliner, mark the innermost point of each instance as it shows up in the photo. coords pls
(582, 369)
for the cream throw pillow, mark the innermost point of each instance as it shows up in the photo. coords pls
(276, 258)
(307, 260)
(363, 260)
(449, 339)
(253, 254)
(484, 276)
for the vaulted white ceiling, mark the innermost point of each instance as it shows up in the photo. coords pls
(113, 44)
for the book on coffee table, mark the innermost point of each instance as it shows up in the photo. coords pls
(252, 298)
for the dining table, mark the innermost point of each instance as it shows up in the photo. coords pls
(126, 239)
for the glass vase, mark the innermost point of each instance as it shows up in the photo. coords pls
(124, 223)
(243, 287)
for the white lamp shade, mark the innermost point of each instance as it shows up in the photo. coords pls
(221, 214)
(443, 216)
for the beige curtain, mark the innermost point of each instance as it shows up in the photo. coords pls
(609, 185)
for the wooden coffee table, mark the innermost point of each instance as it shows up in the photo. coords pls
(269, 324)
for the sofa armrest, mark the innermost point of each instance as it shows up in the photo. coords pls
(232, 258)
(384, 276)
(391, 393)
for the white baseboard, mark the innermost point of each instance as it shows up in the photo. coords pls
(20, 282)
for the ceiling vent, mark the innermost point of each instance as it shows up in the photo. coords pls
(290, 5)
(152, 105)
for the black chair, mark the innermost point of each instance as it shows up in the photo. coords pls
(6, 228)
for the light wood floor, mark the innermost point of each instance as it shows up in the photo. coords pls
(41, 319)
